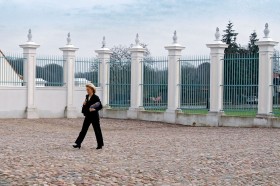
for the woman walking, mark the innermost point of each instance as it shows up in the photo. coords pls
(91, 106)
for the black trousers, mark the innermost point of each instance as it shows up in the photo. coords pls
(96, 126)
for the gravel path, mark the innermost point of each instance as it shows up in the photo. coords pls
(39, 152)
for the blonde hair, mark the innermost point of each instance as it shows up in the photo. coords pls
(91, 86)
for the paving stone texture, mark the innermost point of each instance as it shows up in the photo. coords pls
(39, 152)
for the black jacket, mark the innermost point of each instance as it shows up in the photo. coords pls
(94, 114)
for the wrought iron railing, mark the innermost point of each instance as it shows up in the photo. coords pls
(49, 71)
(155, 83)
(87, 70)
(194, 84)
(241, 84)
(119, 83)
(276, 83)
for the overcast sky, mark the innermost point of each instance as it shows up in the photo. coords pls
(120, 20)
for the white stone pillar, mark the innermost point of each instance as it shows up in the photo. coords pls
(29, 75)
(136, 89)
(69, 77)
(174, 54)
(217, 49)
(265, 93)
(104, 55)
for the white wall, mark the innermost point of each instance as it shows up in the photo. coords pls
(13, 101)
(50, 101)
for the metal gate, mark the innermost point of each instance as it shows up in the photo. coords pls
(155, 83)
(241, 73)
(119, 83)
(194, 84)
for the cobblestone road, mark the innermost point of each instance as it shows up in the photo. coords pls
(39, 152)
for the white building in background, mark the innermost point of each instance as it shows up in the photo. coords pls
(8, 75)
(81, 82)
(40, 82)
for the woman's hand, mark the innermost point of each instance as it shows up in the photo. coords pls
(91, 109)
(84, 103)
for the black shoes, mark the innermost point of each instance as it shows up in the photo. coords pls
(77, 146)
(99, 147)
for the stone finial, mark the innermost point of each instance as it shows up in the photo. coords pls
(68, 39)
(266, 31)
(103, 42)
(137, 41)
(175, 38)
(29, 36)
(217, 34)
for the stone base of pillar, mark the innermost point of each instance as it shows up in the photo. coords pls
(171, 115)
(71, 112)
(214, 113)
(31, 113)
(106, 107)
(264, 115)
(262, 121)
(104, 112)
(213, 118)
(132, 113)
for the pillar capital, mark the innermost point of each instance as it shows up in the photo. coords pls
(69, 48)
(29, 46)
(217, 46)
(266, 44)
(137, 48)
(103, 50)
(175, 48)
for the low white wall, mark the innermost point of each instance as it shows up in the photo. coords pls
(209, 120)
(114, 113)
(50, 101)
(197, 120)
(13, 102)
(151, 116)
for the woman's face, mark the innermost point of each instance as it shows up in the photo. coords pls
(89, 90)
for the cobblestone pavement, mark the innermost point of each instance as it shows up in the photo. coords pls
(39, 152)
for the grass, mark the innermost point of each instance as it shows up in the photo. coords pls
(195, 111)
(276, 112)
(237, 113)
(243, 113)
(119, 108)
(159, 110)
